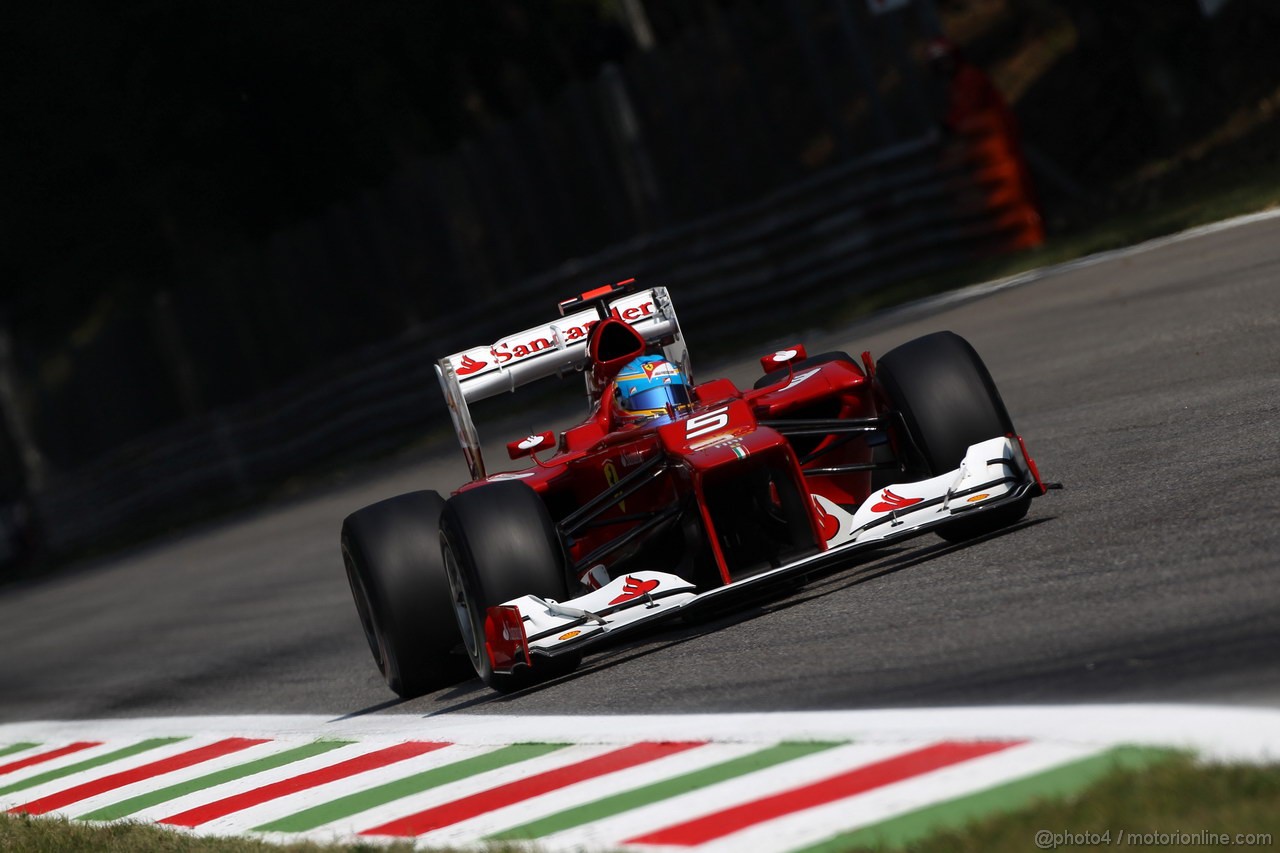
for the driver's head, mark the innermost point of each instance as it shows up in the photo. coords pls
(646, 386)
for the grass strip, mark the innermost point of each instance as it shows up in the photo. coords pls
(1179, 797)
(124, 808)
(427, 779)
(126, 752)
(48, 834)
(658, 791)
(1060, 781)
(15, 747)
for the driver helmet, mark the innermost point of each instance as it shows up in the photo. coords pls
(646, 386)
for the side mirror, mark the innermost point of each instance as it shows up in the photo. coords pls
(783, 357)
(531, 444)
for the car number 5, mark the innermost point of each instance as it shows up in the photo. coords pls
(710, 422)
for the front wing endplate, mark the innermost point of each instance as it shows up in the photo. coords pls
(993, 473)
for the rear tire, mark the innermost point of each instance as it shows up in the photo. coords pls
(391, 551)
(499, 543)
(948, 402)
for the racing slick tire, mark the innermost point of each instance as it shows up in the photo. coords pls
(499, 543)
(391, 551)
(948, 402)
(779, 375)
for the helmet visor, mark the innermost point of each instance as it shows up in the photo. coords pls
(656, 399)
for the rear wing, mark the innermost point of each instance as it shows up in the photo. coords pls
(552, 349)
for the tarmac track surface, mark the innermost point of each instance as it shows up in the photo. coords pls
(1148, 384)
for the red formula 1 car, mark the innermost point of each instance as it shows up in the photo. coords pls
(638, 514)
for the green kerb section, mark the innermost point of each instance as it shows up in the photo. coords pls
(664, 790)
(91, 763)
(15, 747)
(124, 808)
(1063, 781)
(427, 779)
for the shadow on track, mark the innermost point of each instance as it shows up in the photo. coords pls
(813, 587)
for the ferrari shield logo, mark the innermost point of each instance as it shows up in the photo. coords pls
(611, 477)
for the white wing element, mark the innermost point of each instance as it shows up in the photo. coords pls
(990, 470)
(557, 347)
(552, 349)
(635, 597)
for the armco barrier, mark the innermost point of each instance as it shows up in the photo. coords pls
(907, 210)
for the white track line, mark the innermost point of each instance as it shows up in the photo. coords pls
(291, 804)
(186, 774)
(606, 834)
(142, 759)
(801, 829)
(349, 828)
(587, 791)
(57, 763)
(1058, 734)
(241, 822)
(1218, 732)
(269, 777)
(22, 754)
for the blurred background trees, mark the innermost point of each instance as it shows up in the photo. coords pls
(142, 135)
(203, 200)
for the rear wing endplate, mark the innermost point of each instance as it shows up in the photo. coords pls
(552, 349)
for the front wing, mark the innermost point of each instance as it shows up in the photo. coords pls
(994, 473)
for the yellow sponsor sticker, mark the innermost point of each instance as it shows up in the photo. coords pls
(975, 498)
(611, 477)
(570, 635)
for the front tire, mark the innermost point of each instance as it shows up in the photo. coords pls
(499, 543)
(948, 402)
(391, 551)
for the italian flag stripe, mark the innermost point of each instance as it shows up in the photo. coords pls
(15, 747)
(32, 760)
(627, 800)
(124, 808)
(127, 777)
(727, 821)
(805, 782)
(371, 761)
(372, 798)
(952, 814)
(126, 752)
(475, 805)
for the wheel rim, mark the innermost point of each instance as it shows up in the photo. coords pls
(468, 625)
(363, 610)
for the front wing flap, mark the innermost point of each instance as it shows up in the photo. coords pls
(993, 473)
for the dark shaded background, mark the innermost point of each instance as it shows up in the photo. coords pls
(143, 136)
(210, 199)
(183, 182)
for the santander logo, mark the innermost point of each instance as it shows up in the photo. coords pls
(544, 339)
(469, 365)
(514, 350)
(890, 502)
(634, 589)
